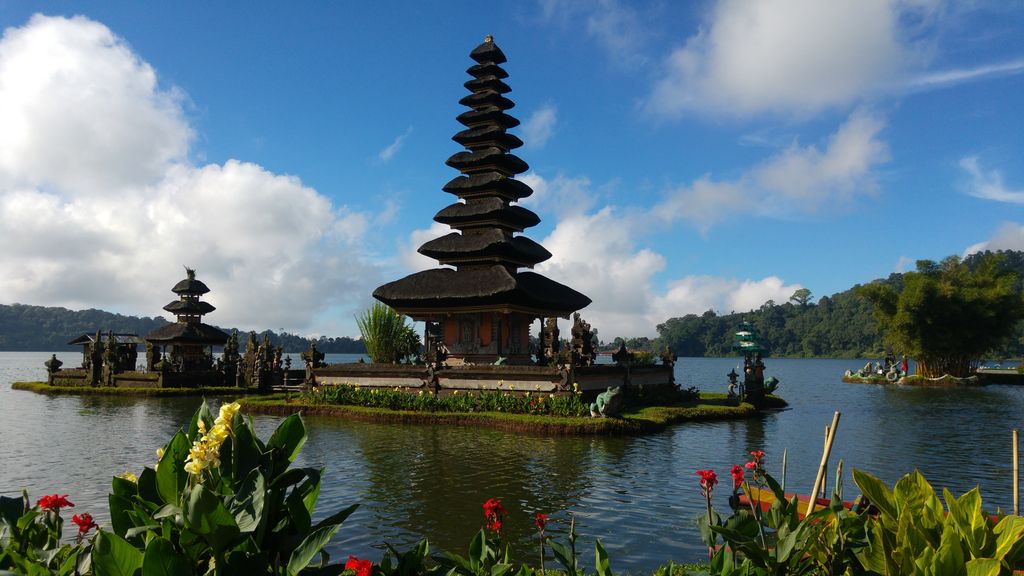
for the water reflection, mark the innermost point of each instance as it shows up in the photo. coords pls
(639, 495)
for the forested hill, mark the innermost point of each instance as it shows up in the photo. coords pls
(840, 325)
(48, 329)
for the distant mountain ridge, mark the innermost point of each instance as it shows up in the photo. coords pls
(30, 328)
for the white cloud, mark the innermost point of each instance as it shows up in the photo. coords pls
(413, 260)
(787, 56)
(563, 196)
(389, 152)
(989, 185)
(540, 126)
(616, 26)
(946, 78)
(599, 255)
(1009, 236)
(799, 180)
(100, 205)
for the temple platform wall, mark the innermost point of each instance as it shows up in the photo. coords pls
(591, 379)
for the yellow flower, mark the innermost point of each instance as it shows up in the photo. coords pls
(536, 387)
(421, 393)
(202, 427)
(159, 453)
(552, 395)
(126, 475)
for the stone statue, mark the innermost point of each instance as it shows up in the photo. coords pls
(608, 404)
(622, 356)
(53, 365)
(313, 359)
(582, 341)
(733, 383)
(549, 343)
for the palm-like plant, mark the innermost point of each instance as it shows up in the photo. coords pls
(386, 335)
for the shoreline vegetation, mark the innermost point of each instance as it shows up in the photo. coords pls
(635, 420)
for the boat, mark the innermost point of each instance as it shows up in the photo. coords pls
(764, 498)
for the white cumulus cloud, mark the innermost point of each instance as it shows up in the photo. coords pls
(101, 206)
(794, 57)
(1009, 236)
(798, 180)
(540, 126)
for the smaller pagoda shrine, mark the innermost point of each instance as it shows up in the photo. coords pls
(479, 306)
(747, 342)
(186, 345)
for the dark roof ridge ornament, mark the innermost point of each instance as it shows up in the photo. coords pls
(190, 272)
(489, 38)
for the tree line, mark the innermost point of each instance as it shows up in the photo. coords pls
(48, 329)
(842, 325)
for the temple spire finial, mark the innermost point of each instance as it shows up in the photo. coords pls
(488, 38)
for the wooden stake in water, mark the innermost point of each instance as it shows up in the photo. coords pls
(785, 452)
(824, 463)
(1016, 475)
(824, 478)
(839, 479)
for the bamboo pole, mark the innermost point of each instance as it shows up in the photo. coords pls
(824, 462)
(1016, 475)
(839, 479)
(785, 453)
(824, 477)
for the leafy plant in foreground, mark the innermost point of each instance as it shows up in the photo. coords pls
(220, 501)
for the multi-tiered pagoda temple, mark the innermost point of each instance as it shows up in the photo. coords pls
(187, 342)
(483, 305)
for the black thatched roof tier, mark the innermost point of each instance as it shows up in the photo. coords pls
(488, 115)
(488, 52)
(482, 246)
(487, 184)
(190, 286)
(487, 69)
(487, 137)
(119, 338)
(487, 83)
(487, 212)
(487, 160)
(485, 98)
(195, 333)
(189, 307)
(480, 289)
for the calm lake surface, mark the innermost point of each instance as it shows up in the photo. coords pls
(640, 496)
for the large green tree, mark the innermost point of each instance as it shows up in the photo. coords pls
(948, 315)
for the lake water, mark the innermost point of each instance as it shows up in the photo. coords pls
(640, 496)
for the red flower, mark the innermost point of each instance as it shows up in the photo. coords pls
(737, 476)
(54, 503)
(708, 479)
(758, 456)
(493, 511)
(751, 465)
(541, 520)
(361, 567)
(85, 522)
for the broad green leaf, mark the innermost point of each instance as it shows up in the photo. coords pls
(301, 520)
(204, 414)
(288, 438)
(161, 559)
(1009, 531)
(876, 492)
(11, 509)
(949, 559)
(147, 486)
(310, 547)
(170, 475)
(341, 516)
(206, 516)
(120, 520)
(601, 564)
(246, 450)
(248, 506)
(500, 569)
(114, 556)
(564, 557)
(983, 567)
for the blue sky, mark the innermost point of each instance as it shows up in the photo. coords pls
(685, 156)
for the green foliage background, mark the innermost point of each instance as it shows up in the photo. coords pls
(48, 329)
